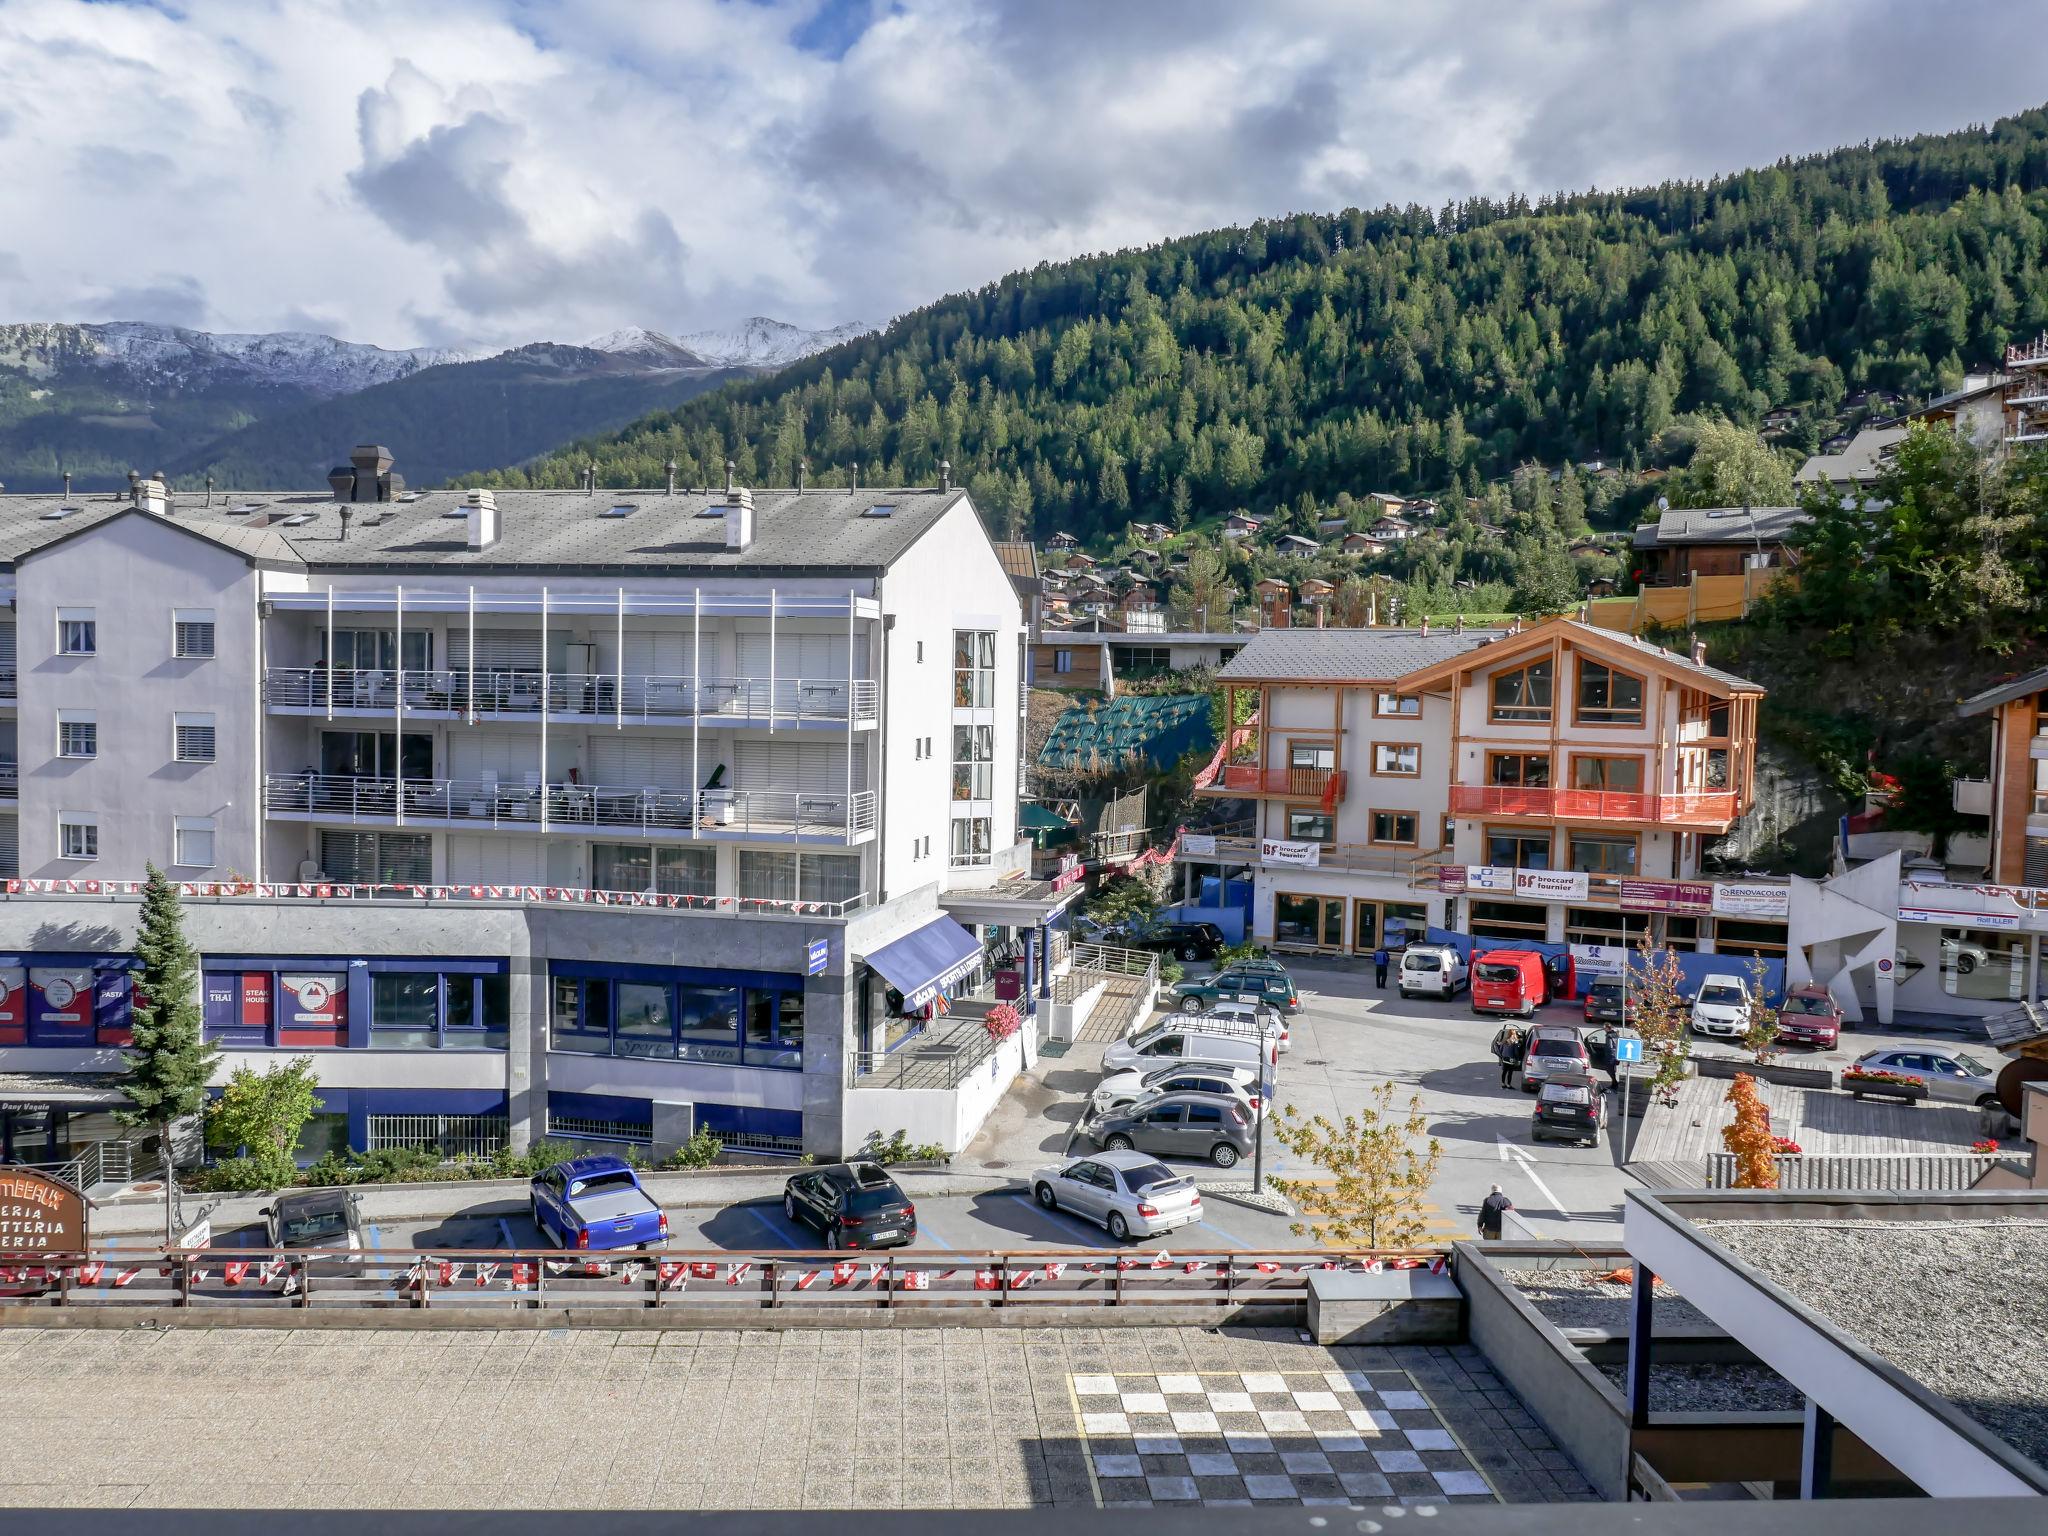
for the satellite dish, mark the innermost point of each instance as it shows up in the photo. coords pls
(1663, 503)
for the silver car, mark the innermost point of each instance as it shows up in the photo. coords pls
(1130, 1193)
(1121, 1088)
(1947, 1074)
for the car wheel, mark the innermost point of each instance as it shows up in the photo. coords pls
(1989, 1101)
(1045, 1197)
(1223, 1155)
(1191, 1005)
(1965, 964)
(789, 1206)
(1189, 953)
(1118, 1227)
(1117, 1144)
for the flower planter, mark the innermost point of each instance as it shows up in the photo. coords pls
(1885, 1085)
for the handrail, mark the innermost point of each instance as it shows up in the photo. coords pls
(1711, 807)
(1362, 857)
(642, 698)
(640, 808)
(326, 891)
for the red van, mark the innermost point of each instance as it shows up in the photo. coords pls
(1508, 981)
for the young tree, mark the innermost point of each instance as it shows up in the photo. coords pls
(172, 1061)
(1732, 467)
(1663, 1017)
(1381, 1172)
(262, 1114)
(1749, 1138)
(1760, 1039)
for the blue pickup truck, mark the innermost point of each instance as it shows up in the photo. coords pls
(596, 1202)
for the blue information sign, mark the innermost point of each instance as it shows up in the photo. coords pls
(1628, 1048)
(815, 959)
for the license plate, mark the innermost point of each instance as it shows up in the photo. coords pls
(891, 1232)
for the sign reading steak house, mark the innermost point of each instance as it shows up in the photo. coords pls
(40, 1214)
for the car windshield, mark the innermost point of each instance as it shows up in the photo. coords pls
(1724, 996)
(313, 1226)
(602, 1183)
(1550, 1046)
(1149, 1176)
(1565, 1093)
(1806, 1005)
(1972, 1065)
(1607, 991)
(1498, 973)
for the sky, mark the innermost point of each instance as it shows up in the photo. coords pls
(480, 173)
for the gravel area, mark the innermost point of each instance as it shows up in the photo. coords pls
(1712, 1389)
(1957, 1305)
(1578, 1298)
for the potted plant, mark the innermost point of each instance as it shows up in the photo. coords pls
(1876, 1083)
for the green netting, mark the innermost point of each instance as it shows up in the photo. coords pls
(1160, 727)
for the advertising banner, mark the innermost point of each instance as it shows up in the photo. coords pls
(1198, 845)
(312, 1008)
(13, 1005)
(1753, 899)
(110, 1008)
(1273, 850)
(1666, 896)
(1590, 960)
(40, 1213)
(1551, 884)
(60, 1002)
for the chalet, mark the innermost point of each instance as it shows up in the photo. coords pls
(1332, 524)
(1062, 541)
(1241, 525)
(1976, 411)
(1151, 533)
(1391, 527)
(1857, 462)
(1386, 501)
(1600, 586)
(1294, 545)
(1276, 602)
(1143, 558)
(1080, 560)
(1418, 508)
(1363, 544)
(1779, 417)
(1712, 541)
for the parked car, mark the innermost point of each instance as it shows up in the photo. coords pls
(1948, 1074)
(1509, 981)
(1121, 1088)
(1184, 941)
(1721, 1006)
(1244, 1018)
(1609, 1001)
(1181, 1041)
(594, 1203)
(1808, 1016)
(1569, 1107)
(1431, 970)
(1555, 1050)
(314, 1218)
(1236, 984)
(1132, 1194)
(854, 1205)
(1177, 1125)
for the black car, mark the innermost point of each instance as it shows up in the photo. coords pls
(1569, 1108)
(1184, 941)
(1608, 1002)
(854, 1205)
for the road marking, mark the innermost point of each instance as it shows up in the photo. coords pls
(774, 1227)
(1229, 1237)
(1094, 1232)
(505, 1231)
(1509, 1152)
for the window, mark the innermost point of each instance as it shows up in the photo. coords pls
(1146, 661)
(192, 842)
(582, 1017)
(1512, 848)
(767, 876)
(1603, 853)
(1397, 759)
(1597, 925)
(920, 652)
(643, 1026)
(974, 767)
(1508, 920)
(1305, 825)
(193, 738)
(376, 755)
(368, 649)
(377, 858)
(78, 733)
(974, 668)
(192, 633)
(828, 877)
(665, 871)
(775, 1029)
(1396, 827)
(1608, 697)
(973, 837)
(1523, 694)
(1311, 757)
(1396, 706)
(78, 634)
(1518, 770)
(1062, 662)
(707, 1023)
(405, 1010)
(78, 837)
(1620, 775)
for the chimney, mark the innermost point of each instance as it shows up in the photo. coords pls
(152, 496)
(1425, 623)
(209, 490)
(739, 518)
(347, 512)
(67, 485)
(945, 474)
(482, 509)
(373, 478)
(729, 468)
(590, 478)
(134, 487)
(801, 466)
(670, 466)
(342, 481)
(854, 488)
(1699, 653)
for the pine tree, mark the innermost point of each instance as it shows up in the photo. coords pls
(172, 1061)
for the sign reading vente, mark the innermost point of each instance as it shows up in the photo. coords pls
(39, 1213)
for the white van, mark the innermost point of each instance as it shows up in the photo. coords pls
(1177, 1041)
(1431, 970)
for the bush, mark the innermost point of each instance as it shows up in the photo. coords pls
(899, 1148)
(700, 1151)
(230, 1173)
(1231, 954)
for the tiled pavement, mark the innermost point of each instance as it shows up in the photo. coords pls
(819, 1418)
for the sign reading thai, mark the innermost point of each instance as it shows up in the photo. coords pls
(1273, 850)
(1666, 895)
(39, 1213)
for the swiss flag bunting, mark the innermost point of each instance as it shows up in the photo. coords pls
(984, 1280)
(842, 1272)
(734, 1273)
(916, 1280)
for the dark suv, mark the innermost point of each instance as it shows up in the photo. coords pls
(1184, 941)
(855, 1205)
(1608, 1002)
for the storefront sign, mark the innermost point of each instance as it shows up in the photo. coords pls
(13, 1005)
(312, 1008)
(1590, 960)
(1198, 845)
(1551, 884)
(1666, 896)
(1450, 878)
(2002, 907)
(1752, 899)
(1273, 850)
(61, 999)
(39, 1214)
(2003, 922)
(817, 955)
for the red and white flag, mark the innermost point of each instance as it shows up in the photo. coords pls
(875, 1272)
(1266, 1267)
(628, 1273)
(916, 1280)
(235, 1270)
(89, 1274)
(808, 1279)
(985, 1280)
(485, 1274)
(522, 1275)
(592, 1267)
(1439, 1265)
(671, 1276)
(450, 1272)
(1161, 1259)
(735, 1273)
(127, 1276)
(1054, 1269)
(1190, 1267)
(843, 1272)
(703, 1269)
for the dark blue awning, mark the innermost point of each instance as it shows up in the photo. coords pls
(927, 960)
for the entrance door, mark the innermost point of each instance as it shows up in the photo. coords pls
(1365, 927)
(1308, 922)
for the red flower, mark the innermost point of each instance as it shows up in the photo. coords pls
(1002, 1021)
(1985, 1145)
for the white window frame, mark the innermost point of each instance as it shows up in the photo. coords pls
(78, 616)
(194, 826)
(182, 721)
(83, 823)
(182, 617)
(86, 717)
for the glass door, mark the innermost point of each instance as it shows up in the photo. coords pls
(1308, 922)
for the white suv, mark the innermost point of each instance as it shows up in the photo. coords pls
(1431, 970)
(1721, 1006)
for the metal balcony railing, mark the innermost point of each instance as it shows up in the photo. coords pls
(1712, 808)
(9, 687)
(640, 699)
(648, 809)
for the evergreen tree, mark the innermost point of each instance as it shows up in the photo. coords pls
(172, 1061)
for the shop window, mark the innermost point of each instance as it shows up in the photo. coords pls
(1523, 695)
(582, 1017)
(1512, 848)
(1508, 920)
(1518, 770)
(1402, 923)
(707, 1023)
(1983, 964)
(1397, 759)
(775, 1029)
(1682, 932)
(433, 1010)
(1310, 826)
(1603, 853)
(1606, 696)
(1315, 922)
(643, 1026)
(405, 1011)
(1764, 940)
(1597, 925)
(1396, 828)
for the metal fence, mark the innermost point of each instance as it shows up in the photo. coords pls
(450, 1135)
(638, 698)
(930, 1060)
(1874, 1170)
(588, 1129)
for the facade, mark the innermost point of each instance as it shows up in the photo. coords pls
(1558, 784)
(1092, 659)
(781, 728)
(1686, 542)
(2025, 394)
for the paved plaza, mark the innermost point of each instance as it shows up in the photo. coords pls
(815, 1418)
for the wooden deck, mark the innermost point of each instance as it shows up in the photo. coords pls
(1821, 1120)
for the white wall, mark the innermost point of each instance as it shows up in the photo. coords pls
(952, 1117)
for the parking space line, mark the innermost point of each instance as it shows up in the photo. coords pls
(1089, 1227)
(505, 1231)
(925, 1231)
(773, 1226)
(1229, 1237)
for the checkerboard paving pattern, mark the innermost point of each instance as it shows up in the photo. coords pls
(1271, 1437)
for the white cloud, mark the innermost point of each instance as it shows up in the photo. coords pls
(492, 171)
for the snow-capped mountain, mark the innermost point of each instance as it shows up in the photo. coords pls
(650, 347)
(765, 343)
(158, 356)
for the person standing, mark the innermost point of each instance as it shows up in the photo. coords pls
(1491, 1212)
(1509, 1048)
(1380, 957)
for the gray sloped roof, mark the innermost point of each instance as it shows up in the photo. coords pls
(1347, 655)
(1672, 658)
(2019, 688)
(1860, 461)
(824, 530)
(1719, 525)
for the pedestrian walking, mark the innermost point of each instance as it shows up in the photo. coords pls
(1380, 957)
(1509, 1047)
(1491, 1210)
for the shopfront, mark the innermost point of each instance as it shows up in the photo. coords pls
(910, 981)
(1396, 924)
(46, 1118)
(56, 1000)
(329, 1002)
(1307, 921)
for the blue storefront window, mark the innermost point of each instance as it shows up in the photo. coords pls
(65, 999)
(724, 1018)
(330, 1003)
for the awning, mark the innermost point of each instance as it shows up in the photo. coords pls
(927, 960)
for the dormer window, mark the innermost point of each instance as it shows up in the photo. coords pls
(1608, 697)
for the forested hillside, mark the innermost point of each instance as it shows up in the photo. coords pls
(1406, 349)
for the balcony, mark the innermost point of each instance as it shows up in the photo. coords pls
(9, 689)
(1712, 810)
(10, 781)
(732, 815)
(604, 697)
(1357, 858)
(1239, 781)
